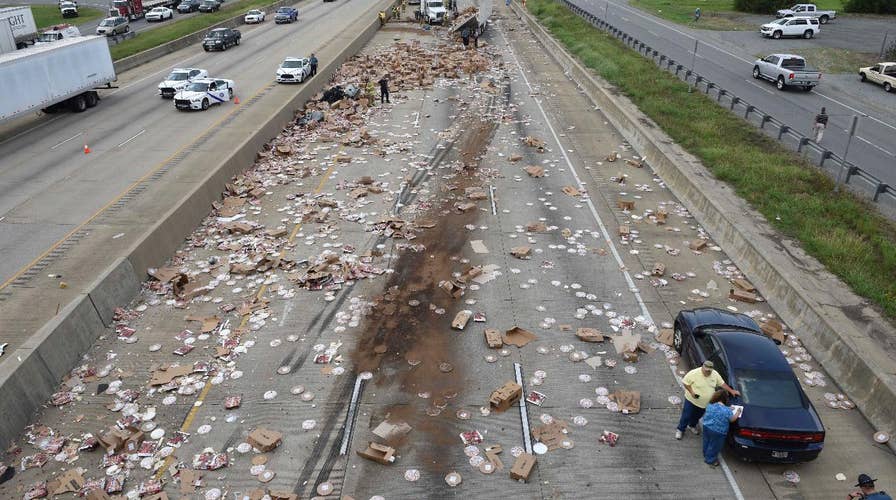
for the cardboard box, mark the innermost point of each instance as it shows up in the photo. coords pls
(742, 296)
(659, 269)
(625, 230)
(773, 329)
(534, 171)
(378, 453)
(624, 204)
(461, 319)
(264, 439)
(522, 467)
(590, 335)
(493, 338)
(522, 252)
(697, 245)
(451, 288)
(744, 285)
(505, 396)
(629, 401)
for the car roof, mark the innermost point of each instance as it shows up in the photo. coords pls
(711, 317)
(750, 351)
(788, 55)
(294, 59)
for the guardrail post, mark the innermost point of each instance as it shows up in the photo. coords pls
(825, 154)
(783, 130)
(803, 142)
(881, 188)
(750, 109)
(722, 92)
(734, 101)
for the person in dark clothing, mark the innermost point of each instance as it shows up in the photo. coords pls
(313, 62)
(821, 123)
(465, 36)
(867, 490)
(384, 89)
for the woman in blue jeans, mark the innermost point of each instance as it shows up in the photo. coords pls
(716, 421)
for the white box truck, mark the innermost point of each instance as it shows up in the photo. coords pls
(21, 20)
(55, 76)
(7, 41)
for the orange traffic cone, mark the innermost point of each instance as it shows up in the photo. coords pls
(86, 149)
(236, 100)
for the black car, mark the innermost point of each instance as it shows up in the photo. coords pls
(286, 15)
(187, 6)
(221, 38)
(209, 6)
(779, 423)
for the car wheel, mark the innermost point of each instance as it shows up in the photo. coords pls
(78, 103)
(237, 41)
(863, 77)
(807, 88)
(91, 99)
(204, 104)
(127, 28)
(808, 34)
(823, 19)
(677, 341)
(888, 87)
(780, 84)
(206, 48)
(756, 73)
(776, 35)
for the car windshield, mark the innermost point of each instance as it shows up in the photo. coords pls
(67, 5)
(284, 10)
(158, 10)
(178, 76)
(108, 22)
(215, 34)
(780, 21)
(291, 64)
(768, 389)
(435, 4)
(254, 13)
(210, 2)
(197, 87)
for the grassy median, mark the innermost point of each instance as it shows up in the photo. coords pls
(49, 15)
(182, 27)
(840, 230)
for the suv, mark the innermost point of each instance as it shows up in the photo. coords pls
(112, 26)
(187, 6)
(221, 38)
(806, 27)
(286, 15)
(209, 6)
(68, 9)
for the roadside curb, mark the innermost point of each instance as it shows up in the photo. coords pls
(31, 373)
(841, 331)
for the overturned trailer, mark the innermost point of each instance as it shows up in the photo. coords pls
(472, 16)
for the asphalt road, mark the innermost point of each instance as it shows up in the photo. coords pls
(729, 64)
(48, 185)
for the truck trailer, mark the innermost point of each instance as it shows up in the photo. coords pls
(21, 22)
(56, 76)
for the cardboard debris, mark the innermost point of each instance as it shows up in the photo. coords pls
(697, 245)
(522, 252)
(461, 319)
(97, 494)
(515, 158)
(552, 434)
(69, 482)
(465, 206)
(492, 453)
(744, 285)
(536, 227)
(535, 143)
(634, 163)
(452, 288)
(571, 191)
(534, 171)
(209, 323)
(666, 336)
(166, 374)
(522, 467)
(627, 205)
(613, 156)
(469, 274)
(264, 439)
(518, 336)
(660, 216)
(626, 342)
(189, 480)
(478, 246)
(742, 296)
(629, 401)
(389, 431)
(773, 329)
(625, 230)
(505, 396)
(379, 453)
(590, 335)
(282, 495)
(163, 274)
(493, 338)
(659, 269)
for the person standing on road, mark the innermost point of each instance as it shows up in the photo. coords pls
(866, 490)
(699, 385)
(313, 62)
(821, 123)
(384, 89)
(716, 422)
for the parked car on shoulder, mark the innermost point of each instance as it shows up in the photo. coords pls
(68, 9)
(111, 26)
(254, 16)
(159, 14)
(204, 92)
(293, 70)
(807, 10)
(786, 70)
(806, 27)
(178, 79)
(881, 73)
(56, 33)
(209, 6)
(779, 423)
(221, 38)
(187, 6)
(286, 15)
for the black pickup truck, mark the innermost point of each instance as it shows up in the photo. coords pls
(221, 39)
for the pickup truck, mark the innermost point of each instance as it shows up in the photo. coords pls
(786, 70)
(881, 73)
(805, 27)
(807, 10)
(221, 39)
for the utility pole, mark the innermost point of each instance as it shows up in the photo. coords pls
(693, 67)
(852, 132)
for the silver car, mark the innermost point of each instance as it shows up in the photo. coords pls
(111, 26)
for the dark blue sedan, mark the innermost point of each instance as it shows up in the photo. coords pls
(286, 15)
(779, 423)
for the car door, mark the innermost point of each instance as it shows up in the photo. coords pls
(874, 74)
(224, 89)
(768, 65)
(704, 348)
(796, 27)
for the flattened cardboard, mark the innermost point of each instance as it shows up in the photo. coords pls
(697, 245)
(493, 338)
(264, 439)
(189, 480)
(522, 467)
(478, 246)
(627, 205)
(452, 288)
(461, 319)
(98, 494)
(165, 375)
(283, 495)
(534, 171)
(629, 401)
(773, 329)
(521, 252)
(742, 296)
(627, 342)
(666, 336)
(70, 482)
(625, 230)
(590, 335)
(505, 396)
(389, 431)
(518, 336)
(571, 191)
(536, 227)
(379, 453)
(552, 434)
(744, 285)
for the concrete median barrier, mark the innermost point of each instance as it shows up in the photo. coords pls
(844, 334)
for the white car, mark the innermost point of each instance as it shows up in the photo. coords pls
(202, 93)
(254, 16)
(808, 10)
(159, 14)
(805, 27)
(293, 70)
(178, 79)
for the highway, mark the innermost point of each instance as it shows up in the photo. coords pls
(730, 66)
(48, 185)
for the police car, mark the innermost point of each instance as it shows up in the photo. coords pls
(203, 92)
(178, 79)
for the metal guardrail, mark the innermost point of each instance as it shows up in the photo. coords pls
(825, 159)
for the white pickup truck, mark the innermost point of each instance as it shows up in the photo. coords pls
(807, 10)
(881, 73)
(806, 27)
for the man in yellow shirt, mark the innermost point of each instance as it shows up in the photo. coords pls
(699, 385)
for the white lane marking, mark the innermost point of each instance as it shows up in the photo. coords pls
(286, 310)
(524, 411)
(854, 110)
(873, 145)
(70, 138)
(760, 87)
(603, 229)
(350, 417)
(132, 138)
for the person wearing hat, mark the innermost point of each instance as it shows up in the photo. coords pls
(866, 490)
(716, 423)
(699, 386)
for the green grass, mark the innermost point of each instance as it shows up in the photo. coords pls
(48, 15)
(714, 14)
(843, 232)
(183, 27)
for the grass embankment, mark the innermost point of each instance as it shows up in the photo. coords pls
(714, 14)
(48, 15)
(183, 27)
(843, 232)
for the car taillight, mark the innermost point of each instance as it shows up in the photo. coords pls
(799, 437)
(791, 76)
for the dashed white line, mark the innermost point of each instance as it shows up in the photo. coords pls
(138, 134)
(873, 145)
(854, 110)
(70, 138)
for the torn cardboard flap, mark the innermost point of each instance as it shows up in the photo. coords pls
(378, 453)
(551, 435)
(389, 431)
(590, 335)
(534, 171)
(629, 401)
(522, 252)
(522, 467)
(493, 338)
(697, 245)
(742, 296)
(209, 323)
(571, 191)
(518, 336)
(264, 439)
(461, 319)
(70, 482)
(626, 342)
(505, 396)
(166, 374)
(773, 329)
(451, 288)
(666, 336)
